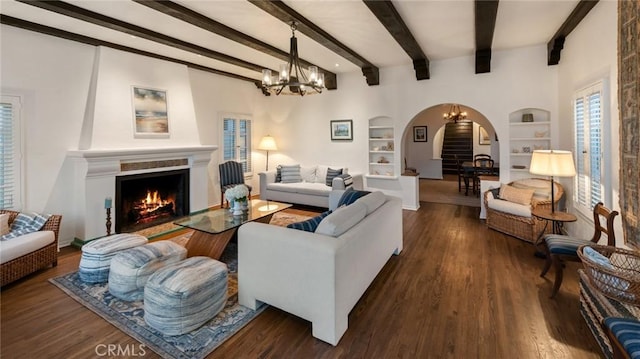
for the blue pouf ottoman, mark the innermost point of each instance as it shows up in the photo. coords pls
(97, 255)
(130, 269)
(183, 296)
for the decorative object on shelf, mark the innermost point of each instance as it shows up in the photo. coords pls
(107, 206)
(291, 79)
(540, 134)
(526, 149)
(454, 114)
(341, 130)
(150, 113)
(383, 160)
(539, 147)
(483, 136)
(552, 163)
(383, 148)
(267, 143)
(518, 167)
(419, 133)
(375, 148)
(515, 150)
(390, 146)
(527, 117)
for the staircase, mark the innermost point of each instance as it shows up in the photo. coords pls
(458, 140)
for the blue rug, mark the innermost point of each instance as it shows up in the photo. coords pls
(129, 317)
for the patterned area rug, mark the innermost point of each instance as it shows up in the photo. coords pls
(129, 316)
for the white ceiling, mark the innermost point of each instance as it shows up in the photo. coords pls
(444, 29)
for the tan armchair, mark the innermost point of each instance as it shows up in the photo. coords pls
(519, 225)
(33, 261)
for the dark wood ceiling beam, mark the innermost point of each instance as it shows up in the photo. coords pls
(392, 21)
(279, 10)
(486, 12)
(76, 12)
(46, 30)
(555, 45)
(194, 18)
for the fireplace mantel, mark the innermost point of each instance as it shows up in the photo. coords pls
(96, 172)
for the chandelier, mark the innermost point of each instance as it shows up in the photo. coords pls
(454, 114)
(291, 79)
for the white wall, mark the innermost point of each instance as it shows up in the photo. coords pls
(589, 55)
(518, 79)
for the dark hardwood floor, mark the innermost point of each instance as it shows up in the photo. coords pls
(458, 290)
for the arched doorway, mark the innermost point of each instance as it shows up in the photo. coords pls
(427, 157)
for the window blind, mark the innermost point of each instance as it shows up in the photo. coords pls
(237, 141)
(9, 155)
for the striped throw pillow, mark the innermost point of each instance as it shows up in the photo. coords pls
(24, 224)
(331, 174)
(310, 224)
(291, 174)
(351, 195)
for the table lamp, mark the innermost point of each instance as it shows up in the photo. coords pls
(554, 163)
(267, 143)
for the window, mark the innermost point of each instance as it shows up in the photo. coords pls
(589, 180)
(236, 140)
(10, 153)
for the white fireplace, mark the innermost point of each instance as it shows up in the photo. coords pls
(96, 172)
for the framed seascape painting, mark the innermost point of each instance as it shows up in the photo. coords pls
(150, 118)
(341, 130)
(419, 133)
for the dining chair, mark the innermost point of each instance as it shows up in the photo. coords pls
(559, 248)
(481, 167)
(463, 176)
(481, 155)
(231, 175)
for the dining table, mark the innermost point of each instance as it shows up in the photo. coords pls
(469, 168)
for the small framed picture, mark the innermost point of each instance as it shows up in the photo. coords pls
(341, 130)
(419, 133)
(483, 136)
(526, 149)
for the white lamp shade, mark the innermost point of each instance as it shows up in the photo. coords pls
(267, 143)
(552, 163)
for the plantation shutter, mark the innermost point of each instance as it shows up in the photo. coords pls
(237, 141)
(9, 153)
(589, 152)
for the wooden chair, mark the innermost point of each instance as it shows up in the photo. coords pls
(463, 176)
(559, 248)
(481, 156)
(231, 175)
(481, 167)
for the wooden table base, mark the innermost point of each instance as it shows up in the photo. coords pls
(213, 244)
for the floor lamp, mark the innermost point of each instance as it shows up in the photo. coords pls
(554, 163)
(267, 143)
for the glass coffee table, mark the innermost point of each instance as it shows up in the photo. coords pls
(215, 228)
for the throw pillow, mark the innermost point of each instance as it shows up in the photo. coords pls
(516, 195)
(4, 224)
(346, 179)
(341, 220)
(351, 195)
(331, 174)
(597, 257)
(310, 224)
(291, 174)
(372, 201)
(24, 224)
(495, 192)
(279, 173)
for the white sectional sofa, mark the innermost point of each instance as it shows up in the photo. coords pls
(311, 190)
(320, 277)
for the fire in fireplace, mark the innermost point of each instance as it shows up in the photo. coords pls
(149, 199)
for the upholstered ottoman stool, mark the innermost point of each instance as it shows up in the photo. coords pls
(130, 269)
(183, 296)
(97, 255)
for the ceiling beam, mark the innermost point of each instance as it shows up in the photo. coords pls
(76, 12)
(392, 21)
(555, 45)
(486, 12)
(286, 14)
(194, 18)
(31, 26)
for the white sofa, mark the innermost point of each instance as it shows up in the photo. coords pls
(315, 276)
(311, 191)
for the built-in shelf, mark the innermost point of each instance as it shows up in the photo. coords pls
(382, 148)
(526, 137)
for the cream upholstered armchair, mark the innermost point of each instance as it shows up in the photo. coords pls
(509, 207)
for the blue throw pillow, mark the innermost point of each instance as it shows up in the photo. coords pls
(331, 174)
(310, 224)
(351, 195)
